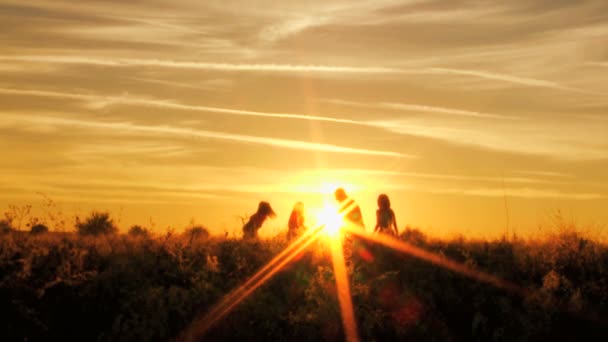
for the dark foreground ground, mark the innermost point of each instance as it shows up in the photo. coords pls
(121, 288)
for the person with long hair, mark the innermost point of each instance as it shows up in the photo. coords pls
(296, 221)
(250, 229)
(386, 222)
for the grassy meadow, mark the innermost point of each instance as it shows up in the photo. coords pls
(90, 284)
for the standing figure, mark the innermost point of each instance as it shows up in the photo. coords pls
(250, 229)
(356, 250)
(385, 217)
(296, 221)
(349, 209)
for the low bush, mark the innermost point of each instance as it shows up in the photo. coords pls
(98, 223)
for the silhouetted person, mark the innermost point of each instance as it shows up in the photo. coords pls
(296, 221)
(250, 229)
(355, 248)
(385, 217)
(349, 209)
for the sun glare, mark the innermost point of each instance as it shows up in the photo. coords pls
(329, 217)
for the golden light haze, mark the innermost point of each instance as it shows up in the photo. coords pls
(468, 114)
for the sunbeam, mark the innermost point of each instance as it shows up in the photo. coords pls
(330, 220)
(433, 258)
(201, 326)
(343, 291)
(334, 226)
(272, 263)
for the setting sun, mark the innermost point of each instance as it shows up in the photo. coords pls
(332, 221)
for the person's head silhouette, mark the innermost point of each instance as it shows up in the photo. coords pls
(340, 195)
(265, 209)
(384, 202)
(299, 208)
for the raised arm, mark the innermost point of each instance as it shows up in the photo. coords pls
(377, 221)
(394, 223)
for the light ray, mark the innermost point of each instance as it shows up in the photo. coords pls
(272, 263)
(343, 291)
(478, 275)
(333, 219)
(433, 258)
(202, 325)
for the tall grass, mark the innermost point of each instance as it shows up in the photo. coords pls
(59, 286)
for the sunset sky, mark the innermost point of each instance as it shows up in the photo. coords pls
(466, 113)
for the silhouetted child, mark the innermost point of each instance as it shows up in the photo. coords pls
(296, 221)
(385, 217)
(349, 209)
(356, 250)
(250, 229)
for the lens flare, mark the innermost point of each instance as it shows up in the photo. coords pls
(200, 326)
(343, 291)
(329, 217)
(439, 260)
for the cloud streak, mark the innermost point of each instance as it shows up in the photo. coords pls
(189, 132)
(511, 137)
(289, 68)
(97, 102)
(531, 82)
(540, 178)
(420, 108)
(520, 192)
(135, 62)
(583, 141)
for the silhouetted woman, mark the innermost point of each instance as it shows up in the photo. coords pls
(250, 229)
(296, 221)
(385, 217)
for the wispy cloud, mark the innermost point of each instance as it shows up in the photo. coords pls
(442, 110)
(289, 27)
(91, 151)
(514, 192)
(544, 173)
(573, 140)
(509, 136)
(130, 62)
(98, 101)
(289, 68)
(419, 108)
(445, 177)
(531, 82)
(458, 184)
(212, 84)
(189, 132)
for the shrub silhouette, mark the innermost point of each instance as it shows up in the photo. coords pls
(139, 231)
(196, 232)
(39, 229)
(97, 224)
(5, 227)
(414, 236)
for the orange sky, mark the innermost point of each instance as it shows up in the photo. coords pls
(199, 109)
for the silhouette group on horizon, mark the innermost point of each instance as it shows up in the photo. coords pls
(386, 222)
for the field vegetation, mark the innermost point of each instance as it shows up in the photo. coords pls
(90, 282)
